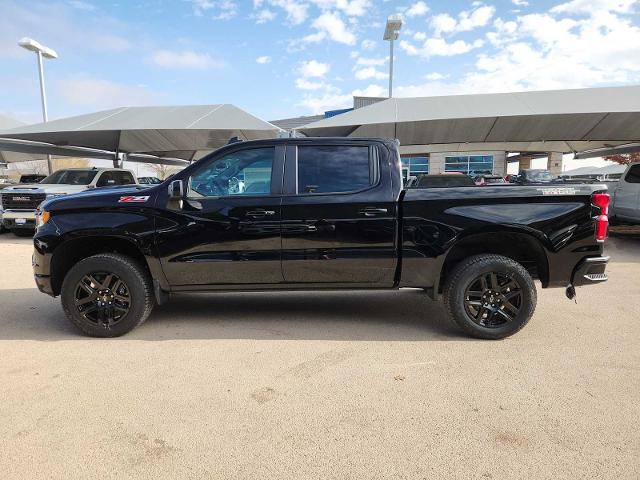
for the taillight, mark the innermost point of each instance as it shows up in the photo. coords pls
(601, 200)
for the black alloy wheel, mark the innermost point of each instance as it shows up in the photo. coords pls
(102, 298)
(493, 299)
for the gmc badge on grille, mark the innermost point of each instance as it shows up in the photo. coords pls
(21, 199)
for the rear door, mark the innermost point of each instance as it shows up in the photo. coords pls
(627, 194)
(338, 215)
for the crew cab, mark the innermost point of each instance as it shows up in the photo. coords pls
(317, 213)
(20, 202)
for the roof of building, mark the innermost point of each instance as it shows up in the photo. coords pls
(555, 120)
(295, 122)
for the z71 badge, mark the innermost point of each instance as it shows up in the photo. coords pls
(134, 199)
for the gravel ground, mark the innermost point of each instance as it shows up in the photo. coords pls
(322, 385)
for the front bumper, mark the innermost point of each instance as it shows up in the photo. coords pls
(41, 263)
(589, 271)
(13, 219)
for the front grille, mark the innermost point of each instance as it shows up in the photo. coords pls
(22, 201)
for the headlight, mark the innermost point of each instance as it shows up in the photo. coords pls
(42, 217)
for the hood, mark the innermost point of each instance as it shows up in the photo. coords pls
(96, 197)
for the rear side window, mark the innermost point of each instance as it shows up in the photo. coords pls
(334, 169)
(634, 175)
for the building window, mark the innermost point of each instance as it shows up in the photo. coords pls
(413, 166)
(469, 164)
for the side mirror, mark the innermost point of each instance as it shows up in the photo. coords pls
(176, 189)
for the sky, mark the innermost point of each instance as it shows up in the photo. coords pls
(283, 58)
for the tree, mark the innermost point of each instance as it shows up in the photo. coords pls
(624, 158)
(163, 171)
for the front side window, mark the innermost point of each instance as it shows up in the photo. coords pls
(246, 172)
(334, 169)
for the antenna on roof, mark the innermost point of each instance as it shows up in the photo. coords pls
(233, 140)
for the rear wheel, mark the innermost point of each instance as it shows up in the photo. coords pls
(107, 295)
(490, 296)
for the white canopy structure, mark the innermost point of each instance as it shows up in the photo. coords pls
(176, 131)
(545, 121)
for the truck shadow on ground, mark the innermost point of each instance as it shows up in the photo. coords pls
(406, 315)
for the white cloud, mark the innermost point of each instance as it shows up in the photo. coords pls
(330, 25)
(313, 69)
(297, 12)
(520, 3)
(371, 62)
(591, 6)
(435, 76)
(263, 59)
(420, 36)
(467, 20)
(370, 72)
(417, 9)
(333, 98)
(551, 51)
(304, 84)
(439, 47)
(183, 59)
(80, 5)
(368, 44)
(352, 8)
(222, 9)
(97, 93)
(264, 16)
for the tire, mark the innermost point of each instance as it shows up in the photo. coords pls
(500, 310)
(107, 295)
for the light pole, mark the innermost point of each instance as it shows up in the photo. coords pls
(41, 51)
(391, 33)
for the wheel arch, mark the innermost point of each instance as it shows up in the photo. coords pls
(519, 246)
(67, 254)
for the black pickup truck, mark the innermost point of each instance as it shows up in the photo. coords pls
(317, 213)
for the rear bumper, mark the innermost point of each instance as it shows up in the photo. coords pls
(589, 271)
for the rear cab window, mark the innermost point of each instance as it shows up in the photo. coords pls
(115, 178)
(335, 169)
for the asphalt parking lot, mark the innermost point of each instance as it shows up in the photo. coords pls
(322, 385)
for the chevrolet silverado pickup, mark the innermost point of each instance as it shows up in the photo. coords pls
(317, 213)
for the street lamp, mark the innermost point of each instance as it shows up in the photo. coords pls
(391, 33)
(41, 51)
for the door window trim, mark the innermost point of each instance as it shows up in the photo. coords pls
(290, 178)
(277, 169)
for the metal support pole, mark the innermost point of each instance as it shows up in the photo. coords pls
(391, 68)
(43, 97)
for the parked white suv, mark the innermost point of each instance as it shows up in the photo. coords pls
(20, 202)
(625, 205)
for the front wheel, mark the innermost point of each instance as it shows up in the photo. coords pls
(490, 296)
(107, 295)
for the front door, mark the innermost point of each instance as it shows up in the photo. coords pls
(338, 216)
(227, 231)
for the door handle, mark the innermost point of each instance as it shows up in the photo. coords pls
(260, 213)
(373, 211)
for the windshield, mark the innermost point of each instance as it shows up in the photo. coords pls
(539, 175)
(71, 177)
